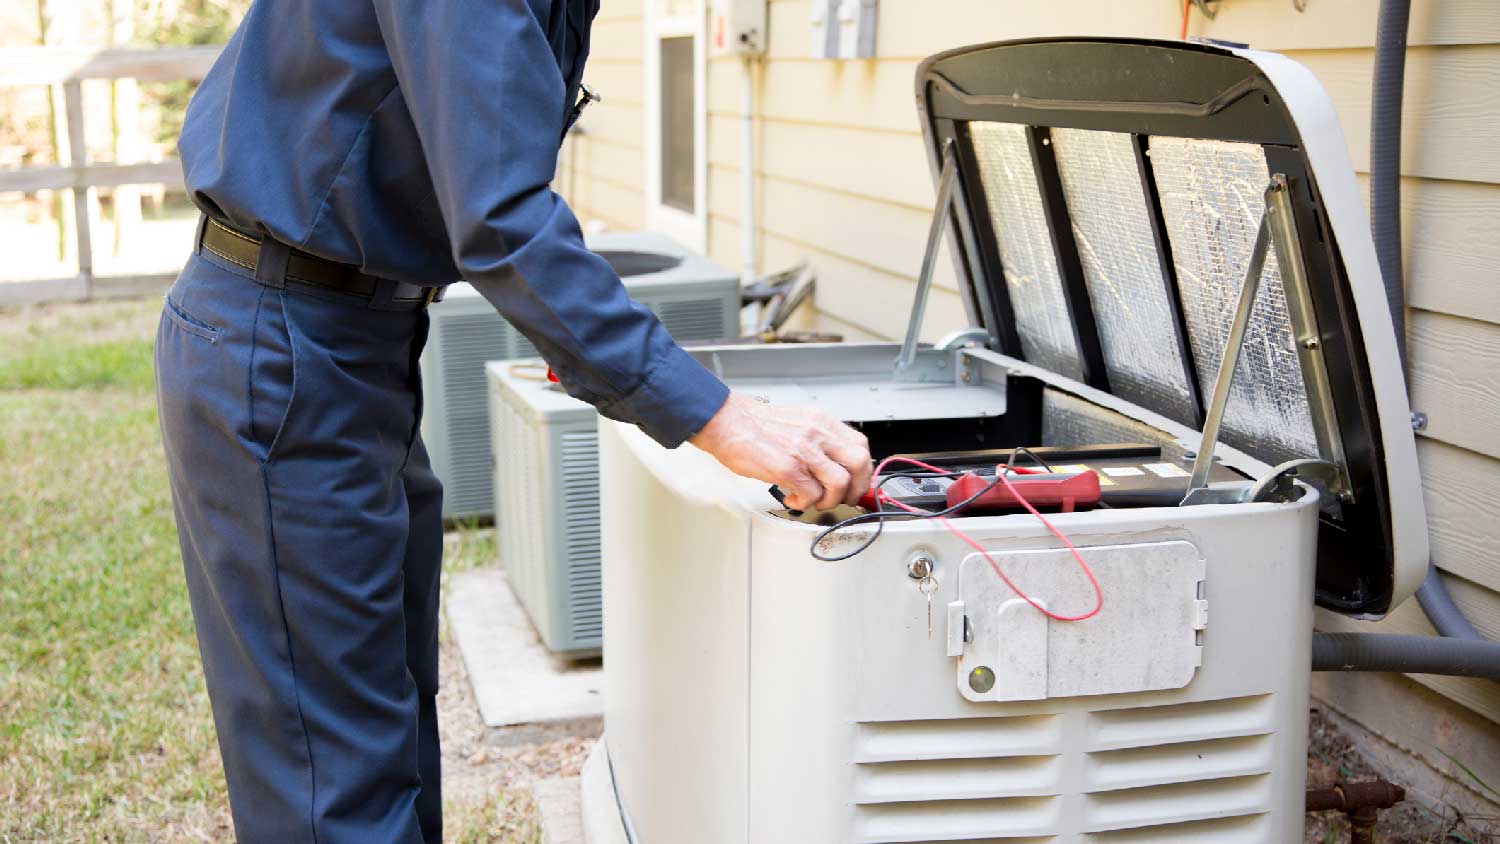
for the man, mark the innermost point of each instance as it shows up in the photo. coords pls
(351, 157)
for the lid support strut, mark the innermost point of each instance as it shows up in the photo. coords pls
(940, 214)
(1278, 227)
(1203, 461)
(1299, 305)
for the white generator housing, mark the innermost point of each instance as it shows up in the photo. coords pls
(546, 476)
(1106, 201)
(695, 298)
(754, 695)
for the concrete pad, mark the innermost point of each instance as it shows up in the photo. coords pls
(516, 679)
(558, 805)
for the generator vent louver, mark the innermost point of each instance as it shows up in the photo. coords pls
(695, 298)
(1163, 771)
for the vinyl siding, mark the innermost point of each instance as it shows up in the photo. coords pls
(843, 179)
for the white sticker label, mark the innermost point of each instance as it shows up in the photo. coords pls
(1122, 471)
(1167, 470)
(1079, 469)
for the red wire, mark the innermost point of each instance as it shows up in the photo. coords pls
(1185, 5)
(1089, 573)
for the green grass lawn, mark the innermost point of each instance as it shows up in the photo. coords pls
(105, 731)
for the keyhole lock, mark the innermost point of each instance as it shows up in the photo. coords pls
(920, 566)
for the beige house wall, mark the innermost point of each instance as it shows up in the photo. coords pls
(843, 179)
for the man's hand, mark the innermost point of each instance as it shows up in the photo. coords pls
(817, 460)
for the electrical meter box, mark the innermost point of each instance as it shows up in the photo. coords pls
(1180, 345)
(737, 27)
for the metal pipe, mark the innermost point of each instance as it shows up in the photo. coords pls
(1360, 802)
(750, 262)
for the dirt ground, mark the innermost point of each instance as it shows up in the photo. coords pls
(488, 773)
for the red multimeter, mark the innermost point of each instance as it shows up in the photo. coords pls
(1042, 490)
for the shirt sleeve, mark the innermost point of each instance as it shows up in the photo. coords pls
(489, 102)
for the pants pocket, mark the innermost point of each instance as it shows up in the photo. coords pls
(187, 322)
(273, 372)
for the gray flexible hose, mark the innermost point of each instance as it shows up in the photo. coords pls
(1385, 157)
(1385, 222)
(1405, 655)
(1444, 614)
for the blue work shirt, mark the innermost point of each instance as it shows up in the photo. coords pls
(417, 140)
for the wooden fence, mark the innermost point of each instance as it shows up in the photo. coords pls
(68, 67)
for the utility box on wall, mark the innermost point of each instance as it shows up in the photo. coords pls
(824, 20)
(856, 29)
(843, 29)
(737, 27)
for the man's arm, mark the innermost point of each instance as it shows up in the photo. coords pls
(489, 102)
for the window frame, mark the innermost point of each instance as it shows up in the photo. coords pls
(690, 229)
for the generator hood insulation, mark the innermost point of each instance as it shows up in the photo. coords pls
(1108, 199)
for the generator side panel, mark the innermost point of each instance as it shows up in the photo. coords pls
(676, 638)
(892, 746)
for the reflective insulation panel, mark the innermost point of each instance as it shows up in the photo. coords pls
(1123, 270)
(1073, 422)
(1032, 277)
(1212, 197)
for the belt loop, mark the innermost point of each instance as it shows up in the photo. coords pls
(198, 240)
(270, 266)
(383, 297)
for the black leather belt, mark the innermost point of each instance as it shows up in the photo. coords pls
(244, 250)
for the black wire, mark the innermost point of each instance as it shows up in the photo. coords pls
(880, 516)
(1011, 463)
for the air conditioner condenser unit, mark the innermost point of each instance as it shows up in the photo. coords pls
(695, 298)
(1178, 321)
(546, 476)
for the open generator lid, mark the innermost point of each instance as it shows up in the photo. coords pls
(1108, 196)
